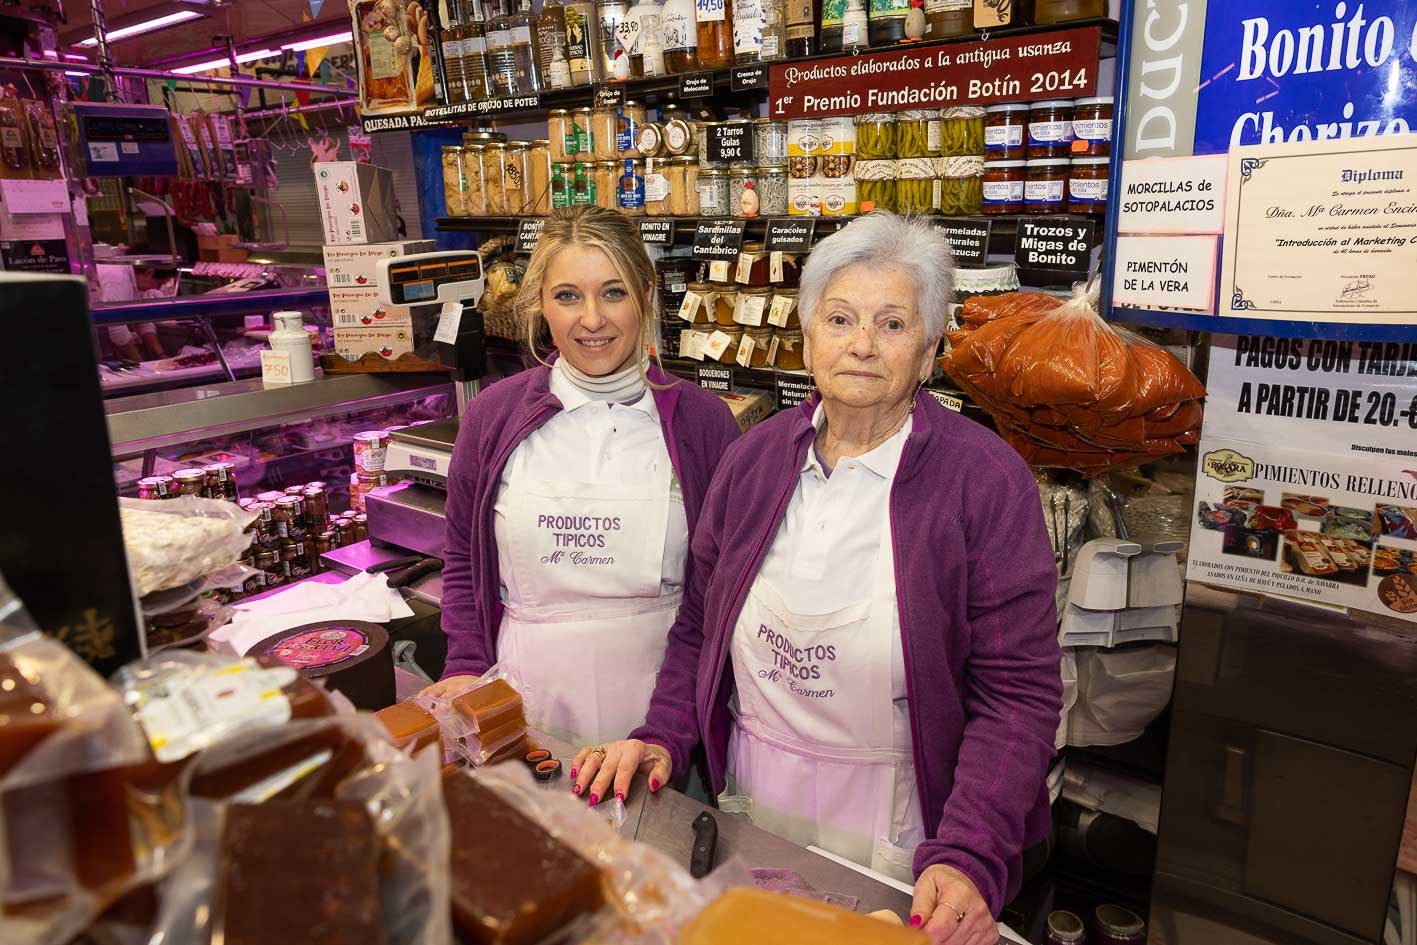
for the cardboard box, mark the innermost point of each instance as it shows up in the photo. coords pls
(353, 267)
(388, 341)
(750, 407)
(361, 308)
(356, 202)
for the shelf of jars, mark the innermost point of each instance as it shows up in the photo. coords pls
(701, 83)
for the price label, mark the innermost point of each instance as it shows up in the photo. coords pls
(731, 141)
(750, 310)
(657, 232)
(715, 377)
(968, 239)
(791, 389)
(275, 367)
(691, 344)
(745, 351)
(782, 307)
(717, 343)
(697, 84)
(790, 234)
(529, 234)
(719, 240)
(690, 305)
(718, 270)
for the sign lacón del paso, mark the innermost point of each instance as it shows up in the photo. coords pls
(1059, 64)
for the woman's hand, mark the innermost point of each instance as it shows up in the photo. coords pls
(942, 893)
(596, 771)
(451, 686)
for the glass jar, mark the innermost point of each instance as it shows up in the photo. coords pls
(876, 137)
(680, 136)
(790, 351)
(603, 133)
(1117, 926)
(454, 183)
(743, 192)
(948, 19)
(1065, 928)
(1061, 11)
(1087, 185)
(561, 132)
(704, 312)
(1003, 186)
(917, 133)
(1050, 129)
(770, 141)
(962, 131)
(725, 304)
(475, 194)
(606, 175)
(783, 311)
(962, 196)
(684, 186)
(538, 177)
(706, 133)
(583, 189)
(772, 190)
(714, 23)
(563, 182)
(585, 134)
(627, 126)
(917, 188)
(659, 187)
(649, 139)
(514, 178)
(1004, 131)
(730, 352)
(758, 343)
(492, 171)
(1045, 188)
(713, 194)
(1092, 123)
(631, 191)
(876, 186)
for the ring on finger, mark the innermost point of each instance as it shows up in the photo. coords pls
(959, 913)
(598, 751)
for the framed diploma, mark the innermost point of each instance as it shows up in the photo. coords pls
(1322, 231)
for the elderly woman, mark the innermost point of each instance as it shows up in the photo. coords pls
(867, 644)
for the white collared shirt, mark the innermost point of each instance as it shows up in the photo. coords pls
(822, 557)
(591, 441)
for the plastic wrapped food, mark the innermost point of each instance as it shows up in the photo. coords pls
(753, 915)
(408, 724)
(175, 542)
(484, 723)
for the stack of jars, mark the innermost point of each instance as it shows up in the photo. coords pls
(496, 177)
(1048, 157)
(753, 186)
(744, 313)
(920, 161)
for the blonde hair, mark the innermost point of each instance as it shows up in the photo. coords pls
(618, 238)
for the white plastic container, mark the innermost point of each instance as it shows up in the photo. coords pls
(291, 337)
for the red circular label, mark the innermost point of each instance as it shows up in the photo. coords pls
(319, 647)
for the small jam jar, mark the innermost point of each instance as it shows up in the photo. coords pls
(1092, 123)
(1003, 187)
(1004, 131)
(1050, 129)
(1045, 189)
(1117, 926)
(1087, 185)
(790, 351)
(1065, 928)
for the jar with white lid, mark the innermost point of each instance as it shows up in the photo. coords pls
(291, 337)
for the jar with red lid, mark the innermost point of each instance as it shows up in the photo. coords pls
(1092, 126)
(1003, 186)
(1050, 129)
(1005, 127)
(1117, 926)
(1046, 186)
(1087, 184)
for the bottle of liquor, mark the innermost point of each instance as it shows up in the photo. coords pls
(501, 57)
(454, 77)
(887, 21)
(715, 24)
(474, 52)
(634, 38)
(583, 42)
(748, 20)
(529, 75)
(855, 27)
(680, 36)
(551, 37)
(774, 44)
(801, 18)
(388, 73)
(829, 34)
(653, 58)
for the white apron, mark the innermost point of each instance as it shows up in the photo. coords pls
(587, 628)
(818, 753)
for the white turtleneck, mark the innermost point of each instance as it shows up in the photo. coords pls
(623, 387)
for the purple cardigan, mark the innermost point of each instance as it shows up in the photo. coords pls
(698, 428)
(975, 583)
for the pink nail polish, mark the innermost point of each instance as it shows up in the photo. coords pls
(915, 921)
(654, 784)
(620, 796)
(594, 799)
(576, 790)
(573, 772)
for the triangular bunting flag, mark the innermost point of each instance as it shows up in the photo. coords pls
(314, 59)
(315, 6)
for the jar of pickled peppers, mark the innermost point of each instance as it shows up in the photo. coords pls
(917, 133)
(876, 137)
(962, 131)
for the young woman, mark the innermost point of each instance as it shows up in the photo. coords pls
(574, 490)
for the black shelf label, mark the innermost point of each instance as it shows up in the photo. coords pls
(790, 234)
(969, 239)
(440, 114)
(748, 77)
(529, 233)
(657, 232)
(791, 389)
(715, 377)
(695, 84)
(718, 239)
(1061, 245)
(731, 141)
(609, 96)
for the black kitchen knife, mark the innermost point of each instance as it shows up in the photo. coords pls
(705, 845)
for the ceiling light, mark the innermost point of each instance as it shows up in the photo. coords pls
(332, 39)
(146, 26)
(224, 62)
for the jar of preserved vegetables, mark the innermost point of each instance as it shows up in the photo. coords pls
(1003, 186)
(454, 184)
(917, 187)
(684, 186)
(514, 178)
(962, 131)
(772, 190)
(962, 186)
(561, 133)
(1050, 129)
(1045, 188)
(876, 136)
(876, 185)
(492, 179)
(606, 175)
(475, 194)
(627, 127)
(1004, 132)
(603, 132)
(538, 177)
(585, 134)
(713, 194)
(659, 187)
(917, 133)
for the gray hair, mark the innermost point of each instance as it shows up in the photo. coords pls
(911, 244)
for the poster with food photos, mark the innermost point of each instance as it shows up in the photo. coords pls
(1307, 480)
